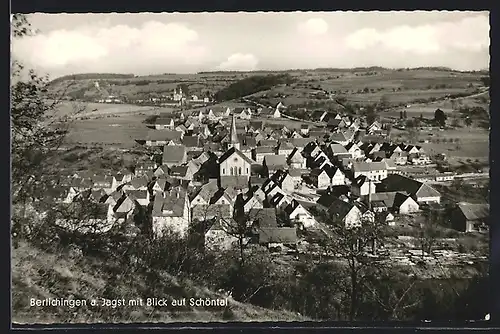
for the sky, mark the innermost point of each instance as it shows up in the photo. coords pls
(155, 43)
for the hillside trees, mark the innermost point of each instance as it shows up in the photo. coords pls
(440, 117)
(252, 85)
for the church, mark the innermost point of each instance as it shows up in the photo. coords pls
(233, 162)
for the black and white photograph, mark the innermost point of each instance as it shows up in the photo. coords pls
(221, 167)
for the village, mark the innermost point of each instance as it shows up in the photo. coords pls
(203, 164)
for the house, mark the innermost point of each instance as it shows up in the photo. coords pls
(138, 183)
(140, 196)
(219, 208)
(276, 113)
(419, 159)
(161, 170)
(340, 138)
(296, 160)
(160, 186)
(296, 174)
(102, 182)
(362, 186)
(284, 181)
(259, 218)
(121, 177)
(469, 217)
(374, 127)
(180, 172)
(244, 113)
(298, 213)
(163, 137)
(420, 192)
(285, 148)
(260, 152)
(375, 171)
(234, 163)
(62, 194)
(192, 143)
(162, 123)
(114, 197)
(320, 178)
(98, 218)
(174, 155)
(272, 163)
(396, 202)
(304, 129)
(338, 149)
(300, 143)
(171, 213)
(355, 151)
(145, 167)
(341, 212)
(277, 237)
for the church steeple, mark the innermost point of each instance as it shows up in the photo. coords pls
(234, 135)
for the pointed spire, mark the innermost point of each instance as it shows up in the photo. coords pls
(233, 134)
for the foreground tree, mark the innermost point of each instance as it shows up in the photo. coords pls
(38, 129)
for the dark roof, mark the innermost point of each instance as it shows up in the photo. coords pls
(295, 172)
(301, 142)
(285, 235)
(385, 197)
(163, 135)
(264, 150)
(232, 151)
(179, 171)
(211, 211)
(396, 182)
(474, 211)
(268, 142)
(139, 182)
(191, 141)
(174, 153)
(164, 120)
(264, 218)
(275, 161)
(170, 206)
(255, 180)
(137, 194)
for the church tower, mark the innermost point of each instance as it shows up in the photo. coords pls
(233, 135)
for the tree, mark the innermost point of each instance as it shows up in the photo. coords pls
(429, 231)
(351, 244)
(404, 114)
(440, 117)
(401, 114)
(468, 121)
(38, 129)
(384, 101)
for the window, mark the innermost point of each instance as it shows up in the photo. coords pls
(232, 171)
(247, 170)
(223, 171)
(239, 171)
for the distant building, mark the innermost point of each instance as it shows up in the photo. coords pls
(469, 217)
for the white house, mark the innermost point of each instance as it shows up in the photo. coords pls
(171, 213)
(298, 213)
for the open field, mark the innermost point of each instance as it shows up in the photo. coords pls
(117, 131)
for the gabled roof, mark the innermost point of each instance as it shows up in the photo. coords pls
(474, 211)
(232, 151)
(286, 145)
(164, 120)
(368, 166)
(170, 206)
(395, 182)
(301, 142)
(337, 148)
(173, 153)
(178, 171)
(137, 194)
(191, 141)
(264, 217)
(285, 235)
(139, 182)
(297, 172)
(269, 142)
(275, 161)
(163, 135)
(264, 150)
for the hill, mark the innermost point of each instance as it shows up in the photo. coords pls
(302, 88)
(40, 275)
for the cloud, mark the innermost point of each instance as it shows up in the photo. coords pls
(469, 34)
(313, 27)
(113, 49)
(239, 62)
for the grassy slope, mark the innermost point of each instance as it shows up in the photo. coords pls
(37, 274)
